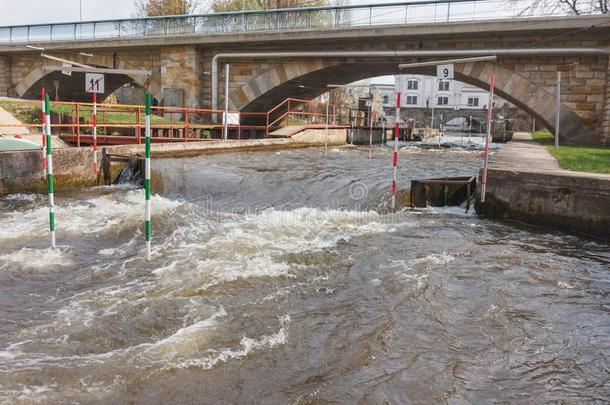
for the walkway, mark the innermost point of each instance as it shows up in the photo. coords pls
(523, 154)
(8, 118)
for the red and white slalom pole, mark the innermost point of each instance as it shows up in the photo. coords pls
(395, 159)
(43, 118)
(371, 118)
(488, 136)
(94, 130)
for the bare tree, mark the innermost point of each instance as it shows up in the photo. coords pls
(576, 7)
(150, 8)
(603, 6)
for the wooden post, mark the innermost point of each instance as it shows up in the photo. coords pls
(186, 124)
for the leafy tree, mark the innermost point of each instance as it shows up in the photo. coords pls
(151, 8)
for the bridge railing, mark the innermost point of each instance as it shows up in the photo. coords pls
(427, 11)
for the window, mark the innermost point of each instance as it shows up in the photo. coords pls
(443, 86)
(473, 101)
(412, 84)
(411, 100)
(386, 99)
(443, 100)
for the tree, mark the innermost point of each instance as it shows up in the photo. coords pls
(576, 7)
(236, 5)
(151, 8)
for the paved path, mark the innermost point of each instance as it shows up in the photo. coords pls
(8, 118)
(523, 154)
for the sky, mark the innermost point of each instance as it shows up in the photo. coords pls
(21, 12)
(44, 11)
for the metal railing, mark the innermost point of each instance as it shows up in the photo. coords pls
(124, 123)
(429, 11)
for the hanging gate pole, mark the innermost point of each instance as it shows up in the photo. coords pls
(147, 177)
(395, 159)
(94, 130)
(47, 126)
(44, 132)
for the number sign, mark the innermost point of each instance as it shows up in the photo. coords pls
(444, 72)
(94, 82)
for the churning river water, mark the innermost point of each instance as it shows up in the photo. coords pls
(280, 277)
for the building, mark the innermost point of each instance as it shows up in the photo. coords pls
(418, 91)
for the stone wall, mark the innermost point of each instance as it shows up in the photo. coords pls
(606, 111)
(5, 75)
(180, 70)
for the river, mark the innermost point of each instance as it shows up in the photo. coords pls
(280, 277)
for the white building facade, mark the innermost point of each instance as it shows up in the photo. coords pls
(418, 91)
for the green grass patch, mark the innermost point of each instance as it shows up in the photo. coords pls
(29, 113)
(593, 159)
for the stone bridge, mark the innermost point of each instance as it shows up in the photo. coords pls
(268, 66)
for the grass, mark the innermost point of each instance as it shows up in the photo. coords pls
(592, 159)
(29, 113)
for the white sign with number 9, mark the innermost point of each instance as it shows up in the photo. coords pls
(444, 72)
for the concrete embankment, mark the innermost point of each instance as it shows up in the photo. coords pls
(525, 183)
(21, 171)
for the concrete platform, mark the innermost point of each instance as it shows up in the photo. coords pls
(525, 183)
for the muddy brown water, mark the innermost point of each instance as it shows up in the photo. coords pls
(280, 277)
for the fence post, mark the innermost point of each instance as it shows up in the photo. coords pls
(186, 124)
(77, 124)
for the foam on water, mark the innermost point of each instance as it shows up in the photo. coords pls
(247, 345)
(27, 259)
(250, 245)
(92, 216)
(186, 342)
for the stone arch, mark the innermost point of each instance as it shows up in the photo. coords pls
(309, 78)
(33, 80)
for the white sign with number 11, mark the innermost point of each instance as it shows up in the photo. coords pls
(94, 82)
(444, 72)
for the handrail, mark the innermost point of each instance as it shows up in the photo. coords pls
(407, 12)
(246, 12)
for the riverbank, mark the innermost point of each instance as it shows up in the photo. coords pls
(21, 171)
(525, 182)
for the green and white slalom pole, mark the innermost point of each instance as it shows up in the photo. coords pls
(50, 170)
(147, 176)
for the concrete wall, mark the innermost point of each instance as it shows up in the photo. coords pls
(573, 202)
(362, 136)
(21, 171)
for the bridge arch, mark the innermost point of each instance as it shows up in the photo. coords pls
(72, 87)
(309, 78)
